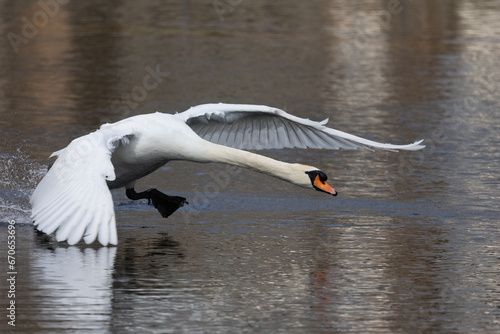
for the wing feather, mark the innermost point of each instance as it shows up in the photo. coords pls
(263, 138)
(238, 134)
(283, 137)
(297, 141)
(49, 221)
(226, 133)
(261, 127)
(91, 231)
(78, 229)
(73, 199)
(69, 226)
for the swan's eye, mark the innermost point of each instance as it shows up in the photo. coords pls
(317, 173)
(322, 176)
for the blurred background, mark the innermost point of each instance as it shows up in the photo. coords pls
(411, 243)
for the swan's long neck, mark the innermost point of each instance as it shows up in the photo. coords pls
(245, 159)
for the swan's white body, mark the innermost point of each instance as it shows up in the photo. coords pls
(74, 198)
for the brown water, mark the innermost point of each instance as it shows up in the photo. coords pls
(411, 244)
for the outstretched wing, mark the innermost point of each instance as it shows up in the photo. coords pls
(73, 197)
(261, 127)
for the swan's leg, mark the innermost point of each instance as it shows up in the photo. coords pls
(165, 204)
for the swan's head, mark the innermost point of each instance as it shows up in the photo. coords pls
(318, 182)
(312, 177)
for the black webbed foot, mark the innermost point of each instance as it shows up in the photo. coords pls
(165, 204)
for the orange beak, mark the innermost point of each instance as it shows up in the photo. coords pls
(323, 186)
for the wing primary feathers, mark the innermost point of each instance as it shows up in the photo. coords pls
(76, 233)
(277, 129)
(297, 142)
(273, 134)
(231, 134)
(103, 235)
(50, 222)
(254, 132)
(307, 133)
(247, 133)
(201, 130)
(113, 237)
(216, 133)
(238, 135)
(92, 229)
(287, 134)
(284, 133)
(226, 136)
(68, 224)
(264, 134)
(329, 142)
(317, 139)
(73, 199)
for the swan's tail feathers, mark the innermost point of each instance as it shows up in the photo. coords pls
(73, 199)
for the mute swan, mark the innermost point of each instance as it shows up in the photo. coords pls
(74, 198)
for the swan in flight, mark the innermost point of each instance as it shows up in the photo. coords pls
(74, 198)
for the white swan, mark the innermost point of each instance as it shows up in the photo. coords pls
(74, 198)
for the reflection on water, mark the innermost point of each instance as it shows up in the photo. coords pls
(409, 246)
(83, 279)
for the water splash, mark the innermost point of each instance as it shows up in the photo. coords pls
(20, 175)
